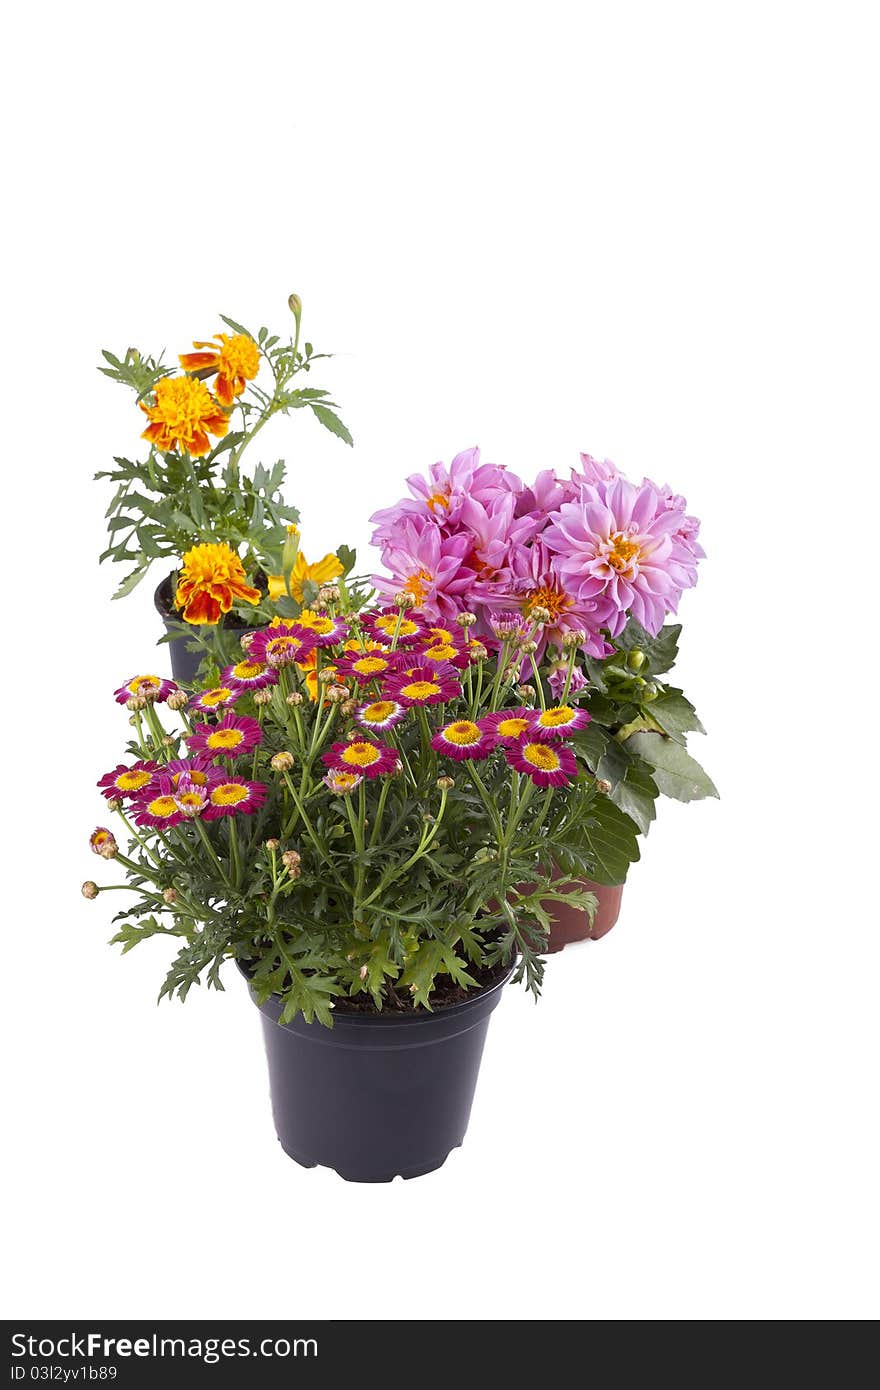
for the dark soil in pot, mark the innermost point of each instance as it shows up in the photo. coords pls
(378, 1095)
(184, 663)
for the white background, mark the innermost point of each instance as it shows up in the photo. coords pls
(649, 231)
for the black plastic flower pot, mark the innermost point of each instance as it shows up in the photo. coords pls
(376, 1096)
(184, 663)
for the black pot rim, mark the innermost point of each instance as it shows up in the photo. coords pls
(423, 1019)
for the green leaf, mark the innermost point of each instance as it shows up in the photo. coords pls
(331, 421)
(131, 581)
(347, 559)
(590, 744)
(675, 714)
(661, 650)
(236, 327)
(636, 794)
(612, 841)
(676, 773)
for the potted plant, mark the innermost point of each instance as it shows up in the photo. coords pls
(370, 827)
(599, 563)
(192, 503)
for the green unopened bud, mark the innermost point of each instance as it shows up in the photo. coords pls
(650, 692)
(636, 659)
(295, 305)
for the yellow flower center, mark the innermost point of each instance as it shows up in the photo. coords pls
(623, 550)
(542, 756)
(239, 356)
(418, 585)
(442, 651)
(199, 778)
(343, 780)
(182, 403)
(100, 837)
(388, 623)
(246, 670)
(215, 696)
(555, 600)
(162, 806)
(283, 644)
(438, 499)
(189, 799)
(361, 754)
(369, 665)
(229, 794)
(421, 690)
(513, 727)
(225, 738)
(151, 682)
(132, 781)
(440, 634)
(316, 622)
(464, 733)
(552, 718)
(378, 712)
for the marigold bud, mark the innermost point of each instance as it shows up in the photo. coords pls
(295, 305)
(575, 638)
(466, 619)
(262, 697)
(281, 762)
(444, 783)
(294, 698)
(245, 640)
(170, 896)
(603, 785)
(273, 844)
(539, 614)
(90, 889)
(178, 699)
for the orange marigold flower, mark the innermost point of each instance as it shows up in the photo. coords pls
(211, 576)
(321, 572)
(184, 415)
(236, 361)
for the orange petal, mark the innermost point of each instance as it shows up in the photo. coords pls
(224, 389)
(202, 609)
(244, 591)
(197, 361)
(277, 587)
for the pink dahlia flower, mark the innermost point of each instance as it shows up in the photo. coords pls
(535, 583)
(431, 567)
(616, 548)
(439, 497)
(557, 675)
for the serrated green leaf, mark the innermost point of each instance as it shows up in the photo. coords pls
(675, 714)
(676, 773)
(331, 421)
(636, 794)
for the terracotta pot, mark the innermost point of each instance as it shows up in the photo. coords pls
(570, 924)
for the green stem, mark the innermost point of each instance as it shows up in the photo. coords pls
(203, 835)
(538, 686)
(429, 834)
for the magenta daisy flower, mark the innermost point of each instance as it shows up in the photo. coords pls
(218, 698)
(508, 725)
(200, 772)
(191, 794)
(158, 807)
(433, 635)
(235, 734)
(454, 652)
(127, 781)
(154, 688)
(281, 644)
(234, 796)
(362, 756)
(248, 674)
(103, 842)
(463, 739)
(423, 684)
(342, 783)
(380, 715)
(547, 764)
(329, 632)
(558, 721)
(382, 625)
(371, 665)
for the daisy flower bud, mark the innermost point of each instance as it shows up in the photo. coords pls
(477, 651)
(294, 698)
(245, 640)
(262, 697)
(528, 647)
(136, 702)
(329, 593)
(170, 896)
(466, 619)
(336, 693)
(326, 677)
(89, 889)
(281, 762)
(169, 741)
(444, 783)
(405, 600)
(114, 803)
(103, 842)
(526, 693)
(363, 972)
(603, 785)
(348, 708)
(292, 861)
(178, 699)
(273, 844)
(575, 638)
(539, 614)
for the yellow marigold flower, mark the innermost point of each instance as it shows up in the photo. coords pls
(236, 361)
(184, 415)
(321, 572)
(211, 576)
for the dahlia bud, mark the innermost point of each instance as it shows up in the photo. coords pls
(650, 692)
(575, 638)
(281, 762)
(444, 783)
(245, 640)
(477, 651)
(178, 699)
(329, 593)
(466, 619)
(405, 600)
(635, 659)
(295, 305)
(262, 697)
(528, 647)
(294, 698)
(114, 804)
(136, 702)
(90, 889)
(539, 614)
(348, 708)
(603, 785)
(170, 896)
